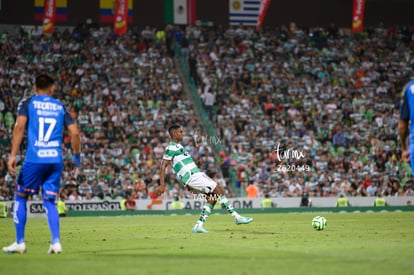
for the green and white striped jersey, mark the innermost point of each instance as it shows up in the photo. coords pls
(182, 162)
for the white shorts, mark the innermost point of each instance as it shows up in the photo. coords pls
(202, 183)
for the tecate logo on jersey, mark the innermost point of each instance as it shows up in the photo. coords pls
(47, 106)
(47, 153)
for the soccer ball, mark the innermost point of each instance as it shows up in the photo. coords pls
(319, 223)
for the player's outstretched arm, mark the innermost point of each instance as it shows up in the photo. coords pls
(162, 186)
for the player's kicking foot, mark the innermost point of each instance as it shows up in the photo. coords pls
(15, 248)
(243, 220)
(55, 248)
(199, 229)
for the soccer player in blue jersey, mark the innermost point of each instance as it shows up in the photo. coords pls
(44, 118)
(190, 176)
(405, 128)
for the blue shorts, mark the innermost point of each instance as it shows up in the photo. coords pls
(36, 175)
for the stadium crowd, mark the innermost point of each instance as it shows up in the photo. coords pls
(123, 93)
(307, 112)
(329, 96)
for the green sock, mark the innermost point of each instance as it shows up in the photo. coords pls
(204, 214)
(226, 204)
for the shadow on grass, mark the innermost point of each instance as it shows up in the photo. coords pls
(240, 230)
(189, 256)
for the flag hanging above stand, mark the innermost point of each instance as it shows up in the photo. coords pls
(244, 12)
(49, 17)
(180, 12)
(264, 6)
(358, 16)
(121, 17)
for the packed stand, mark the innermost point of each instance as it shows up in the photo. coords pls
(306, 112)
(124, 94)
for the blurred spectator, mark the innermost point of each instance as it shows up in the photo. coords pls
(380, 201)
(305, 201)
(267, 202)
(61, 206)
(130, 203)
(74, 196)
(96, 190)
(85, 190)
(251, 190)
(177, 204)
(209, 100)
(342, 201)
(3, 208)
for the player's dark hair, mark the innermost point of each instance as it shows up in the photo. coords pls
(44, 81)
(173, 128)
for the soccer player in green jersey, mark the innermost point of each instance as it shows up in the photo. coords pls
(190, 176)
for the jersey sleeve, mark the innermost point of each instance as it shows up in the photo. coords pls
(168, 154)
(23, 107)
(68, 118)
(404, 108)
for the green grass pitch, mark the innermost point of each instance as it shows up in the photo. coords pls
(352, 243)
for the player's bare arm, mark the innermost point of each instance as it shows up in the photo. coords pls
(162, 186)
(403, 132)
(18, 134)
(76, 144)
(75, 138)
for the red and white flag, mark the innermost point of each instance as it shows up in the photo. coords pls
(49, 17)
(358, 16)
(264, 6)
(121, 16)
(180, 12)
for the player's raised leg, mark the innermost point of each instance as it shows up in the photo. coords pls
(226, 204)
(214, 193)
(238, 219)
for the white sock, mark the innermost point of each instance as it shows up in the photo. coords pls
(227, 205)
